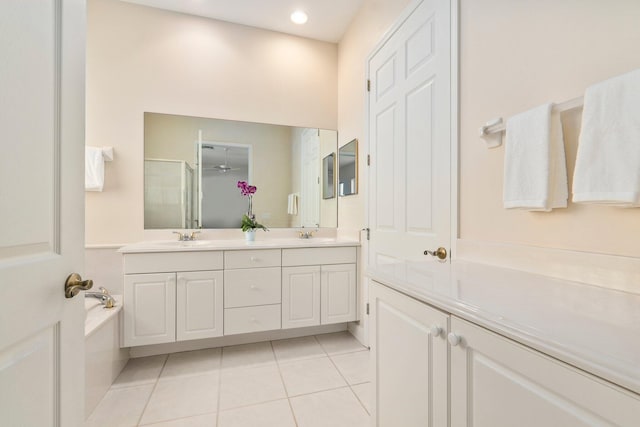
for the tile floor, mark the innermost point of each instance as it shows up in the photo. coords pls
(315, 381)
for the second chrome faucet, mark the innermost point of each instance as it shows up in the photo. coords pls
(186, 237)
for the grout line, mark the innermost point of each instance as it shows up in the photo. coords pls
(219, 387)
(164, 364)
(286, 392)
(176, 419)
(349, 384)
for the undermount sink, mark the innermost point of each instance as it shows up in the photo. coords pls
(184, 244)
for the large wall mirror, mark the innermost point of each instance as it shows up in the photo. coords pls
(348, 169)
(192, 166)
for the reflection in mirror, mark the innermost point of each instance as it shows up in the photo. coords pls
(328, 179)
(192, 166)
(348, 169)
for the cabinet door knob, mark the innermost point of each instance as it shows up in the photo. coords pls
(436, 330)
(253, 259)
(454, 339)
(253, 287)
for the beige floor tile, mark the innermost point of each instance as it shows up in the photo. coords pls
(246, 355)
(139, 371)
(206, 420)
(120, 407)
(271, 414)
(363, 392)
(182, 397)
(192, 363)
(248, 386)
(297, 349)
(309, 376)
(354, 367)
(332, 408)
(339, 342)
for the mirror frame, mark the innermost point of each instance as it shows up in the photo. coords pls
(356, 171)
(329, 187)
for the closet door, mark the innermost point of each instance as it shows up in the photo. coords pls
(410, 136)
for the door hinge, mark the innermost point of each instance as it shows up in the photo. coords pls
(368, 230)
(368, 159)
(368, 85)
(367, 309)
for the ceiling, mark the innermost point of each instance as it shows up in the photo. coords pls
(328, 19)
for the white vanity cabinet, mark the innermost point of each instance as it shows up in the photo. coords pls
(149, 312)
(494, 381)
(252, 290)
(172, 296)
(409, 360)
(318, 286)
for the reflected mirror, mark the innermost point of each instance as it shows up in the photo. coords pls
(348, 169)
(328, 179)
(192, 166)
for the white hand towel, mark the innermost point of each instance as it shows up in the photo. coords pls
(608, 160)
(535, 170)
(93, 169)
(292, 204)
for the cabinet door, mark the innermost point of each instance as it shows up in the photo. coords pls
(149, 309)
(338, 293)
(300, 296)
(496, 382)
(199, 310)
(408, 359)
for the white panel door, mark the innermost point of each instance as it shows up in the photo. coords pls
(409, 361)
(410, 137)
(41, 212)
(338, 293)
(149, 309)
(300, 296)
(199, 305)
(496, 382)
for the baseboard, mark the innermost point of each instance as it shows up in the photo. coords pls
(607, 271)
(152, 350)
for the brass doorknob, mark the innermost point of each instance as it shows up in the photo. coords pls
(75, 284)
(440, 253)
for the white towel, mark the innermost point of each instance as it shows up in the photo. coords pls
(292, 204)
(93, 169)
(608, 160)
(535, 170)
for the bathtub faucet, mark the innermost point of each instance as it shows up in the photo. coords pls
(105, 298)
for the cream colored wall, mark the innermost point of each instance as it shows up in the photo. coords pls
(370, 24)
(142, 59)
(515, 55)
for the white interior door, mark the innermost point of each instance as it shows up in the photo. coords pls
(42, 47)
(410, 137)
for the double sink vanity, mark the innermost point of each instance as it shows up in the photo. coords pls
(178, 291)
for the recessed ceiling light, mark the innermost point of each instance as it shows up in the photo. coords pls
(299, 17)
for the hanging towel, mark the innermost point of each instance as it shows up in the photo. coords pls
(93, 169)
(292, 204)
(608, 160)
(535, 170)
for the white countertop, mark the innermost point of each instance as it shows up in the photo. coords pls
(234, 244)
(592, 328)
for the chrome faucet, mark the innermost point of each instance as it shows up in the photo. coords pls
(105, 298)
(306, 234)
(186, 237)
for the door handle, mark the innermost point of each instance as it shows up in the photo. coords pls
(440, 253)
(75, 284)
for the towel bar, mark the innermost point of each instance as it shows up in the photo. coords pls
(491, 132)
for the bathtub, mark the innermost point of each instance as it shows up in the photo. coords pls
(104, 359)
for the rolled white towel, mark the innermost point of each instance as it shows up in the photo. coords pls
(93, 169)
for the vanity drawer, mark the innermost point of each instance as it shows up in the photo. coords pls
(158, 262)
(252, 258)
(251, 319)
(316, 256)
(253, 286)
